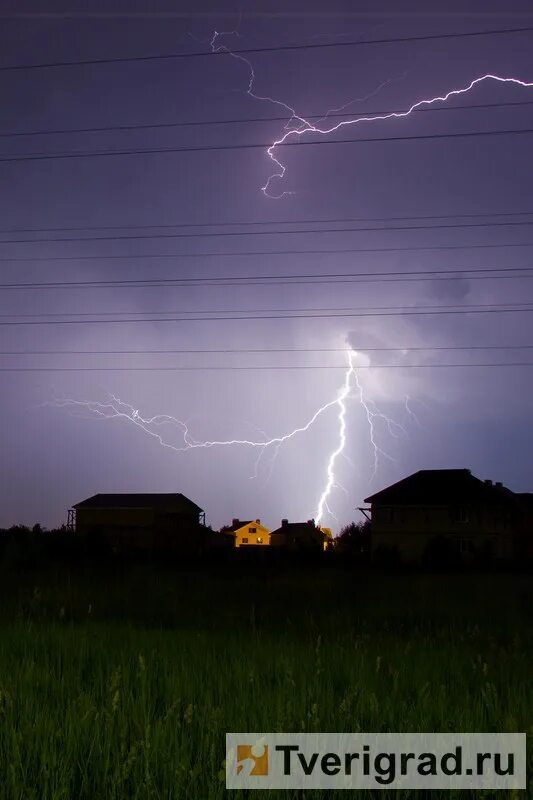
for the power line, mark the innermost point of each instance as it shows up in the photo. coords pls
(328, 282)
(329, 277)
(257, 50)
(447, 306)
(263, 146)
(155, 320)
(264, 368)
(210, 234)
(247, 223)
(269, 350)
(248, 120)
(266, 253)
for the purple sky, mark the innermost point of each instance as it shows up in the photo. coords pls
(478, 418)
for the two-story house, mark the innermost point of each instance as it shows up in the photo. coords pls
(142, 522)
(250, 532)
(442, 510)
(298, 536)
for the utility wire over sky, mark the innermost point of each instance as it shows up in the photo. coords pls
(274, 49)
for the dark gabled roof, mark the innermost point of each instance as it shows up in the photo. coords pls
(240, 523)
(295, 528)
(442, 486)
(171, 499)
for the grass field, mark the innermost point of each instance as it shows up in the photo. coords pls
(121, 683)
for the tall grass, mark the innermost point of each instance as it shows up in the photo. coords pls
(122, 684)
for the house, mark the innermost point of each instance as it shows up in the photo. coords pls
(249, 532)
(142, 522)
(434, 514)
(298, 536)
(328, 538)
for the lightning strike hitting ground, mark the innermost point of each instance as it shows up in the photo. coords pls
(298, 126)
(341, 402)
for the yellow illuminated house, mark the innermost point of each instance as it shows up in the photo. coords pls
(250, 532)
(328, 538)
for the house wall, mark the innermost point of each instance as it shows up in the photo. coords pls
(89, 519)
(298, 540)
(139, 528)
(411, 528)
(252, 534)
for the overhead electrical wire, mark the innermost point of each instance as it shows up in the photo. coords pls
(269, 350)
(492, 365)
(287, 278)
(254, 146)
(258, 223)
(264, 253)
(255, 318)
(250, 120)
(305, 231)
(423, 307)
(258, 50)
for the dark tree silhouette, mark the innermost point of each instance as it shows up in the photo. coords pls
(354, 539)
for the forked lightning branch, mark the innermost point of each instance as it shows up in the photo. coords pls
(298, 126)
(351, 389)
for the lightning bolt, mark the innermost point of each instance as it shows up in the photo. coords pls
(297, 125)
(410, 413)
(341, 403)
(309, 127)
(115, 408)
(372, 414)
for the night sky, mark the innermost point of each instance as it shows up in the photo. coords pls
(54, 455)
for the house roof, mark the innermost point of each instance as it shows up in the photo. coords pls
(442, 486)
(296, 528)
(240, 523)
(175, 500)
(237, 524)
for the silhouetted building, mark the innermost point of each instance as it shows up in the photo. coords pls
(144, 522)
(524, 534)
(298, 536)
(249, 533)
(441, 513)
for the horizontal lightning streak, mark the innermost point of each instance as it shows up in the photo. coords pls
(308, 127)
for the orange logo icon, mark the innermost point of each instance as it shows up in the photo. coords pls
(252, 759)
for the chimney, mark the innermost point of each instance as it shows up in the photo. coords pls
(499, 485)
(284, 523)
(235, 523)
(488, 482)
(258, 521)
(311, 522)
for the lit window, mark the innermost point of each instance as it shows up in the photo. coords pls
(259, 540)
